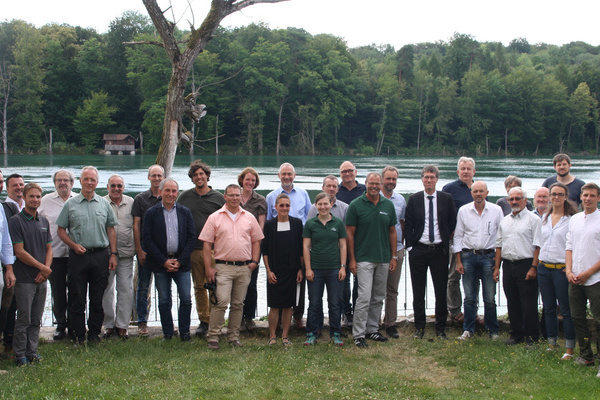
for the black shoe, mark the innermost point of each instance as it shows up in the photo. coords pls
(185, 337)
(94, 339)
(59, 334)
(419, 334)
(392, 332)
(167, 337)
(441, 335)
(376, 336)
(361, 343)
(512, 341)
(202, 329)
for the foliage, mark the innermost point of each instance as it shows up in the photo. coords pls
(287, 90)
(94, 119)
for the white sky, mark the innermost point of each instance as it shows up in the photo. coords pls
(359, 22)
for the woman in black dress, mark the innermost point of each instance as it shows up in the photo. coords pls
(282, 255)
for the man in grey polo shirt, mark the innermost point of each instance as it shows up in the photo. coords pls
(52, 205)
(93, 242)
(116, 320)
(338, 207)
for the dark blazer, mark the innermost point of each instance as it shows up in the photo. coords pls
(155, 237)
(294, 247)
(414, 222)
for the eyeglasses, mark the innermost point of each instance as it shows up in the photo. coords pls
(283, 205)
(347, 171)
(62, 180)
(116, 185)
(557, 195)
(511, 199)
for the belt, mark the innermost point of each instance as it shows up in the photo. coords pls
(553, 266)
(172, 256)
(431, 246)
(238, 263)
(482, 251)
(95, 249)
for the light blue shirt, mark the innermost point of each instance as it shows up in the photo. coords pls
(299, 201)
(172, 226)
(7, 256)
(400, 206)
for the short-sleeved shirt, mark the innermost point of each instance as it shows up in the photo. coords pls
(460, 192)
(87, 220)
(400, 206)
(324, 245)
(346, 195)
(338, 209)
(372, 222)
(34, 233)
(201, 207)
(232, 239)
(256, 205)
(519, 235)
(574, 188)
(299, 203)
(51, 206)
(125, 243)
(142, 203)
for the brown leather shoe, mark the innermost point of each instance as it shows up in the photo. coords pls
(122, 333)
(460, 318)
(143, 329)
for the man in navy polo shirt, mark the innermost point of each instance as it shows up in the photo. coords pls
(460, 190)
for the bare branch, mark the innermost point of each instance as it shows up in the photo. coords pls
(246, 3)
(221, 81)
(155, 43)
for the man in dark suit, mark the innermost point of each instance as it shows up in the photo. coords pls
(169, 236)
(429, 224)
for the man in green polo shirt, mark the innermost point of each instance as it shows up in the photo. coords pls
(370, 224)
(93, 252)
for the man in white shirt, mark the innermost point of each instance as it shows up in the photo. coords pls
(475, 247)
(52, 205)
(583, 270)
(518, 246)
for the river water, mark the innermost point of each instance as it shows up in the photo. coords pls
(310, 172)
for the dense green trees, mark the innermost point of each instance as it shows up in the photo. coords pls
(289, 92)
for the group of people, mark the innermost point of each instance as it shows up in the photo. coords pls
(352, 232)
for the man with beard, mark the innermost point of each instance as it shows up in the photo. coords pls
(562, 165)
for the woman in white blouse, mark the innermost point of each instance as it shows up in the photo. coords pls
(552, 280)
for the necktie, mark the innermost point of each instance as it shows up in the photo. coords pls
(431, 235)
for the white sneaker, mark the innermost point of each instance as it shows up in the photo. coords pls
(466, 335)
(598, 376)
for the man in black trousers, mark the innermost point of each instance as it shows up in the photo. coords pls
(429, 224)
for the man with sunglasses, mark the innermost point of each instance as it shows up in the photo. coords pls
(517, 247)
(116, 319)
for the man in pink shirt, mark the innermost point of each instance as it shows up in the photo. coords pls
(236, 237)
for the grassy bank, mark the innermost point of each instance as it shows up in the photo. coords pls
(398, 369)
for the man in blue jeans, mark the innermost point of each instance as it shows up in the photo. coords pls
(169, 236)
(475, 248)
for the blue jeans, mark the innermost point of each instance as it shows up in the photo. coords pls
(554, 286)
(183, 280)
(479, 267)
(143, 287)
(329, 278)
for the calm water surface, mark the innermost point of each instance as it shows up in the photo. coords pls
(310, 172)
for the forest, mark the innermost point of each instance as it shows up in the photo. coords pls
(285, 91)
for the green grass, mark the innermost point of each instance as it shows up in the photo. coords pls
(399, 369)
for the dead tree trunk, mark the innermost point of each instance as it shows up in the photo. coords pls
(182, 62)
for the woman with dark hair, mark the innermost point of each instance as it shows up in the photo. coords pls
(256, 205)
(552, 280)
(325, 263)
(282, 255)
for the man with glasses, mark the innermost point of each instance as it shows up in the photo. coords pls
(202, 200)
(52, 205)
(518, 247)
(236, 236)
(429, 224)
(143, 275)
(116, 319)
(371, 227)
